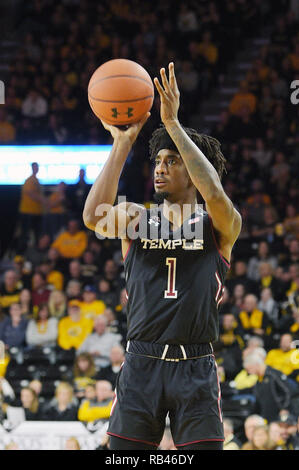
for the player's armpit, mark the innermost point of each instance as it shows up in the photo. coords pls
(226, 219)
(115, 222)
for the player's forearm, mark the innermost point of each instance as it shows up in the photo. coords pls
(104, 189)
(202, 173)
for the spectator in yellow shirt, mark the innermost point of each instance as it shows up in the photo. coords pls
(90, 306)
(73, 329)
(207, 49)
(32, 205)
(99, 407)
(283, 357)
(10, 290)
(71, 243)
(252, 320)
(243, 98)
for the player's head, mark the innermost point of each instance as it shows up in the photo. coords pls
(170, 169)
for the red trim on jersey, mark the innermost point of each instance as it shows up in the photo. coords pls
(132, 439)
(128, 249)
(200, 440)
(219, 391)
(216, 244)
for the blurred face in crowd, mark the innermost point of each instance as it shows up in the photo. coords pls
(36, 386)
(263, 249)
(15, 312)
(88, 257)
(294, 247)
(100, 325)
(240, 268)
(53, 254)
(104, 286)
(274, 432)
(260, 437)
(103, 390)
(75, 269)
(43, 313)
(285, 430)
(228, 321)
(90, 392)
(89, 296)
(73, 227)
(250, 424)
(74, 289)
(10, 279)
(116, 355)
(286, 342)
(27, 397)
(38, 281)
(57, 297)
(294, 271)
(25, 296)
(74, 312)
(254, 342)
(253, 369)
(239, 291)
(64, 395)
(250, 302)
(227, 428)
(109, 314)
(266, 294)
(83, 363)
(44, 242)
(265, 269)
(110, 267)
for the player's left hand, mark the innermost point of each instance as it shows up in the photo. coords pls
(169, 95)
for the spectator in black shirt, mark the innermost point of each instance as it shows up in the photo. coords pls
(271, 391)
(64, 407)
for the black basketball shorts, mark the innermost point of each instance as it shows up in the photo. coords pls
(148, 388)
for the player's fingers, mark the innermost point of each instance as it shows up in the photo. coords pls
(165, 82)
(159, 88)
(172, 79)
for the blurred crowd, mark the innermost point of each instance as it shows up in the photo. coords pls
(62, 294)
(63, 44)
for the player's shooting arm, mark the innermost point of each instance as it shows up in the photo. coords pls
(114, 220)
(202, 173)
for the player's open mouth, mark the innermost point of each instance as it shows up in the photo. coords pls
(159, 183)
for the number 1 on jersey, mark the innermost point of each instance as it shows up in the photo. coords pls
(171, 293)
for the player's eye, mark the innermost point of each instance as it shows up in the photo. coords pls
(171, 161)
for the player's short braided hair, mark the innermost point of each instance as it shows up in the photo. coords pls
(210, 146)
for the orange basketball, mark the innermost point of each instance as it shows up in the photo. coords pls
(120, 92)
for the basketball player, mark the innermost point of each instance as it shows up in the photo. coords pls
(174, 286)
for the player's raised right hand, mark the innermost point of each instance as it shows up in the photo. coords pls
(129, 134)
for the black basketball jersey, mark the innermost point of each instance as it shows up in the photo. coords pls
(174, 284)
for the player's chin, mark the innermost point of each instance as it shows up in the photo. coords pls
(160, 195)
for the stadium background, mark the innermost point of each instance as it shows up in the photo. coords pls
(235, 62)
